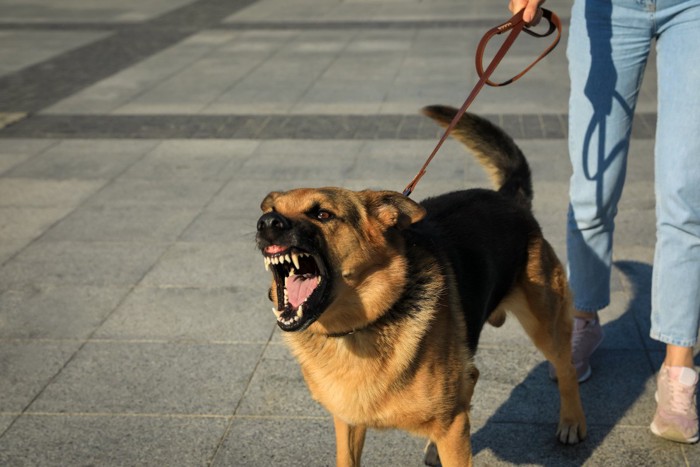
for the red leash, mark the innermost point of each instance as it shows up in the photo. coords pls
(515, 25)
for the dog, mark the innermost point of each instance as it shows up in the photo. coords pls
(383, 299)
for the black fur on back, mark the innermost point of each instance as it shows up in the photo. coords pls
(482, 236)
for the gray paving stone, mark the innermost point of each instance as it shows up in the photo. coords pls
(513, 386)
(270, 126)
(9, 248)
(111, 440)
(131, 223)
(278, 387)
(309, 442)
(193, 160)
(151, 378)
(209, 265)
(203, 82)
(219, 315)
(80, 263)
(690, 454)
(401, 160)
(286, 160)
(28, 367)
(21, 49)
(28, 223)
(5, 422)
(360, 10)
(548, 159)
(235, 224)
(48, 312)
(67, 11)
(278, 441)
(27, 192)
(120, 88)
(161, 192)
(83, 160)
(502, 444)
(14, 152)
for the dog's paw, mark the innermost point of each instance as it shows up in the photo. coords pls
(571, 432)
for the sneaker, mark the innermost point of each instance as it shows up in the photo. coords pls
(585, 339)
(676, 416)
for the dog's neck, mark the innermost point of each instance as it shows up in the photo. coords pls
(404, 307)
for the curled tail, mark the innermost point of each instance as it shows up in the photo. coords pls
(493, 148)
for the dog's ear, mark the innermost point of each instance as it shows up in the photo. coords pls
(392, 209)
(266, 205)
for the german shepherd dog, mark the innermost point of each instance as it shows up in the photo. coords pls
(382, 299)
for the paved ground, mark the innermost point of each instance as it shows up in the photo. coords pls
(139, 139)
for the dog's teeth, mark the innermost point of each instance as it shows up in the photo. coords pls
(276, 312)
(267, 263)
(295, 259)
(287, 258)
(300, 311)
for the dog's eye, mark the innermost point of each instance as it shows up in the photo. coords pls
(318, 213)
(323, 215)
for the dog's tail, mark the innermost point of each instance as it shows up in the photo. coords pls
(493, 148)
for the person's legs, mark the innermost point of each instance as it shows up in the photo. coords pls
(676, 278)
(608, 46)
(607, 51)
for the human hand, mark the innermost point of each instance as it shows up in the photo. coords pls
(532, 14)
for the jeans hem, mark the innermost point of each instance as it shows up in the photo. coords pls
(657, 336)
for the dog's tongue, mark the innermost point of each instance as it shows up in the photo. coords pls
(299, 288)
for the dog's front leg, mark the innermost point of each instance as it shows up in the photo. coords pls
(349, 440)
(454, 447)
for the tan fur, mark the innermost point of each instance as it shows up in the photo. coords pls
(418, 375)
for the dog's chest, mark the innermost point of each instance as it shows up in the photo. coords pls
(357, 389)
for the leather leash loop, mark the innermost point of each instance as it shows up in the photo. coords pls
(515, 25)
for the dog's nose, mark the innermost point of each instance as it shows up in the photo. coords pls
(273, 221)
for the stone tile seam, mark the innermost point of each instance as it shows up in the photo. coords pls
(267, 127)
(225, 435)
(85, 202)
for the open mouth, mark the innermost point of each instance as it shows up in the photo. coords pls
(301, 283)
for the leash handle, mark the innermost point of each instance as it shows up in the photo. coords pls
(515, 25)
(516, 22)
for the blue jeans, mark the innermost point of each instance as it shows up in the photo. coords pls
(609, 43)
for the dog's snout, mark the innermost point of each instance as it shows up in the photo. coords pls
(273, 221)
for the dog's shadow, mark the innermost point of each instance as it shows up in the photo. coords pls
(624, 368)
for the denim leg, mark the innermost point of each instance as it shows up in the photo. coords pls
(608, 46)
(676, 278)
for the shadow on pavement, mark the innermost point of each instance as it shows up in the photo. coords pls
(622, 371)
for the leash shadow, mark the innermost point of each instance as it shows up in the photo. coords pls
(622, 369)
